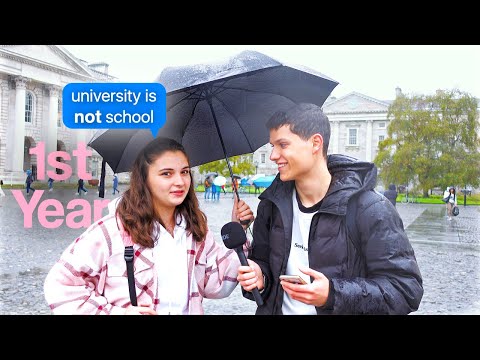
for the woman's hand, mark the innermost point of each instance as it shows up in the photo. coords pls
(250, 277)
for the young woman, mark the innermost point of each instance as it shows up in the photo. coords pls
(176, 260)
(452, 201)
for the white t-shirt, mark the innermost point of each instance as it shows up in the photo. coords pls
(298, 256)
(453, 197)
(170, 256)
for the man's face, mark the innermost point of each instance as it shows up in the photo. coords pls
(293, 155)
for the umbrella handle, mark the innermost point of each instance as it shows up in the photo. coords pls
(242, 222)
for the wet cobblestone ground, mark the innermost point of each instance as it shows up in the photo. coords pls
(448, 253)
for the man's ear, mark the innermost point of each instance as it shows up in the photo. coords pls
(317, 142)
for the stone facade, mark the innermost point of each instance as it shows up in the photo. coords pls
(32, 78)
(358, 122)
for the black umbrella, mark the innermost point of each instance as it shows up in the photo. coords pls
(219, 110)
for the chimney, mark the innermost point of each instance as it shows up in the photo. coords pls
(398, 92)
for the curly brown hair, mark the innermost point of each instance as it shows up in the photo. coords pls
(136, 210)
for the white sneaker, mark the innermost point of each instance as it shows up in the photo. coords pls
(77, 194)
(50, 190)
(449, 218)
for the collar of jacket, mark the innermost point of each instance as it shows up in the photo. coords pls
(349, 176)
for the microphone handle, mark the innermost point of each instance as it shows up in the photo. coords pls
(244, 262)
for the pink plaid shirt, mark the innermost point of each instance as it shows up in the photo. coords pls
(91, 275)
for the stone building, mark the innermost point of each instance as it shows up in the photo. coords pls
(358, 122)
(31, 81)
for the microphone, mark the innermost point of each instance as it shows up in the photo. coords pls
(234, 237)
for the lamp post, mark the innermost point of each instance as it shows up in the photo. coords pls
(256, 166)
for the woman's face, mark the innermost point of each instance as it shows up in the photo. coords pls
(169, 179)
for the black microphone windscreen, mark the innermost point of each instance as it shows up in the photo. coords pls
(233, 235)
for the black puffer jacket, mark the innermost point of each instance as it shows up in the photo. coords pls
(386, 280)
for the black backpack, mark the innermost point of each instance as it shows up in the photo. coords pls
(1, 182)
(351, 220)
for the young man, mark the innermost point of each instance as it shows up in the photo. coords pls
(301, 229)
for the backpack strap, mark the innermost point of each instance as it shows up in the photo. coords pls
(352, 229)
(131, 279)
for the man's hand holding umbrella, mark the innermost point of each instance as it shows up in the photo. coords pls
(241, 212)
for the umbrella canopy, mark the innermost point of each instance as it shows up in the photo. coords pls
(255, 177)
(264, 181)
(220, 181)
(244, 182)
(207, 175)
(219, 110)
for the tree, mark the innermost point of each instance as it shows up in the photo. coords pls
(241, 165)
(433, 140)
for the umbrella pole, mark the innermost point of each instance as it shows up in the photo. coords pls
(101, 189)
(209, 100)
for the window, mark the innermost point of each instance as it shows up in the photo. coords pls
(381, 125)
(28, 107)
(352, 136)
(262, 158)
(381, 138)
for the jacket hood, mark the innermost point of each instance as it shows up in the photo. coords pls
(349, 176)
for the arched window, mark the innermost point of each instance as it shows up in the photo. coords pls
(28, 107)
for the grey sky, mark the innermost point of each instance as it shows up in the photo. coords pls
(373, 70)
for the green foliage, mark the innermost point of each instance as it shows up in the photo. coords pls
(241, 165)
(432, 141)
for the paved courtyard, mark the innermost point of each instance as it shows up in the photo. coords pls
(448, 253)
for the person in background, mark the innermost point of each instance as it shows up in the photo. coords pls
(81, 187)
(301, 229)
(177, 262)
(235, 184)
(452, 201)
(215, 191)
(28, 182)
(50, 184)
(115, 184)
(391, 194)
(2, 194)
(208, 188)
(446, 197)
